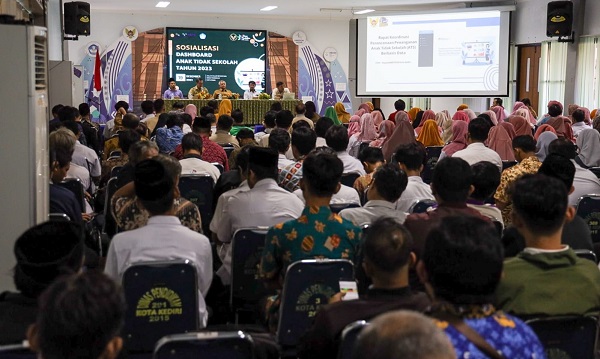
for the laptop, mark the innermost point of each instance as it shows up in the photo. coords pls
(289, 96)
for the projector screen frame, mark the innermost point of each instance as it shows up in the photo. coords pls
(167, 65)
(355, 37)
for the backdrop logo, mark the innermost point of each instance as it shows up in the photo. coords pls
(239, 37)
(202, 36)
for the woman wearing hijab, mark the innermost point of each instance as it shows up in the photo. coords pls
(492, 115)
(403, 134)
(225, 108)
(445, 123)
(500, 141)
(385, 131)
(342, 115)
(527, 103)
(520, 109)
(587, 116)
(562, 126)
(510, 129)
(460, 130)
(588, 143)
(543, 142)
(371, 107)
(412, 113)
(401, 116)
(353, 125)
(596, 123)
(430, 134)
(427, 115)
(462, 107)
(377, 118)
(543, 128)
(499, 111)
(365, 106)
(470, 113)
(191, 110)
(461, 116)
(367, 134)
(418, 119)
(521, 125)
(330, 112)
(311, 111)
(593, 114)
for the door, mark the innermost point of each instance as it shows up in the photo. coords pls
(528, 73)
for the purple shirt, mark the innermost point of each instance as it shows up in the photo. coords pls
(170, 94)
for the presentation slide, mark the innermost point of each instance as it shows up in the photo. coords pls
(450, 54)
(231, 55)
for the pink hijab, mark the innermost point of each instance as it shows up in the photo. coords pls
(385, 131)
(499, 111)
(401, 116)
(365, 106)
(543, 128)
(427, 115)
(403, 134)
(360, 112)
(191, 110)
(377, 118)
(509, 128)
(460, 129)
(525, 113)
(461, 116)
(353, 125)
(500, 141)
(492, 115)
(521, 125)
(470, 113)
(587, 116)
(562, 125)
(367, 129)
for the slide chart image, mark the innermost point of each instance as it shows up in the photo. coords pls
(434, 52)
(232, 55)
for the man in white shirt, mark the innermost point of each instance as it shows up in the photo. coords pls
(411, 159)
(269, 123)
(337, 138)
(578, 122)
(279, 140)
(389, 182)
(300, 111)
(476, 150)
(265, 204)
(83, 155)
(251, 93)
(192, 162)
(164, 237)
(279, 91)
(321, 128)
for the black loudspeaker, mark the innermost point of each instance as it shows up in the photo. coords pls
(559, 18)
(77, 18)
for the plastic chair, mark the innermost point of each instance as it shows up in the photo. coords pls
(16, 351)
(348, 339)
(433, 154)
(422, 206)
(228, 147)
(588, 208)
(349, 178)
(115, 153)
(308, 285)
(337, 207)
(225, 345)
(219, 166)
(567, 337)
(58, 217)
(114, 172)
(586, 254)
(74, 185)
(246, 251)
(198, 189)
(162, 299)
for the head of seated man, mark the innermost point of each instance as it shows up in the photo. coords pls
(80, 316)
(303, 141)
(388, 183)
(155, 187)
(411, 158)
(191, 144)
(371, 158)
(337, 138)
(279, 139)
(225, 123)
(262, 164)
(452, 181)
(486, 178)
(403, 334)
(478, 130)
(245, 136)
(322, 126)
(284, 119)
(321, 175)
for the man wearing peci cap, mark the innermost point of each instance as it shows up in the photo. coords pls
(172, 93)
(43, 253)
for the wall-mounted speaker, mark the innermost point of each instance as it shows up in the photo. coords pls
(559, 18)
(77, 18)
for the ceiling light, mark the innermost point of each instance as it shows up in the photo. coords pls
(268, 8)
(362, 12)
(163, 4)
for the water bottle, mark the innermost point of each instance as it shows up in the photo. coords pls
(220, 96)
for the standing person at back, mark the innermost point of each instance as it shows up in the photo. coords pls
(411, 159)
(337, 139)
(476, 150)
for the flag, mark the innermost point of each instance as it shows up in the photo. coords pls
(97, 74)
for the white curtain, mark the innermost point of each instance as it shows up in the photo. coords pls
(423, 103)
(553, 73)
(587, 81)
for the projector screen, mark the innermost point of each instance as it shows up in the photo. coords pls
(456, 54)
(231, 55)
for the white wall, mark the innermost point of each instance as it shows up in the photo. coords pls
(591, 25)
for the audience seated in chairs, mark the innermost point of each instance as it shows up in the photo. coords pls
(476, 150)
(345, 194)
(389, 182)
(269, 125)
(163, 237)
(222, 136)
(61, 199)
(317, 233)
(337, 139)
(130, 123)
(211, 151)
(126, 139)
(575, 232)
(83, 155)
(264, 204)
(461, 267)
(546, 268)
(524, 149)
(387, 258)
(80, 316)
(192, 162)
(371, 159)
(283, 120)
(486, 179)
(245, 137)
(43, 253)
(451, 184)
(303, 141)
(279, 140)
(128, 213)
(411, 158)
(167, 138)
(138, 152)
(403, 334)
